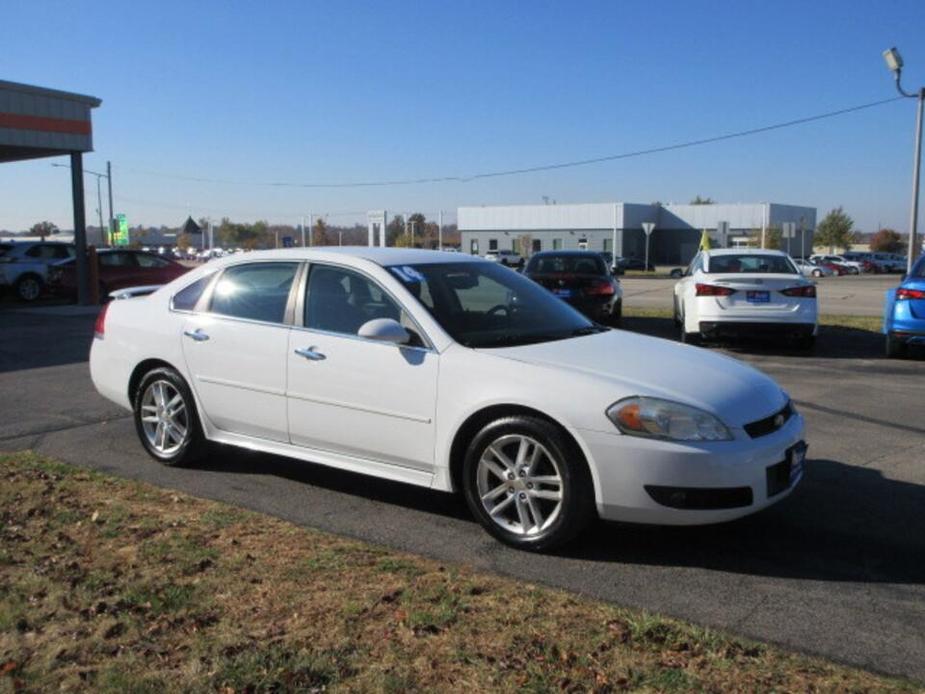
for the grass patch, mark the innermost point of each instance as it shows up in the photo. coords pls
(111, 586)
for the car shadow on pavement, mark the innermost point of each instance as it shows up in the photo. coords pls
(834, 342)
(843, 523)
(31, 341)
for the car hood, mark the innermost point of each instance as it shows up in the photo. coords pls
(654, 367)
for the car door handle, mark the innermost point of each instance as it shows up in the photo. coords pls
(310, 353)
(196, 334)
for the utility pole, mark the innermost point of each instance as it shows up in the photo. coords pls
(302, 229)
(112, 219)
(99, 207)
(894, 62)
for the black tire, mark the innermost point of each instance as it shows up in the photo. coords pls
(616, 314)
(676, 318)
(28, 287)
(686, 337)
(895, 348)
(193, 445)
(807, 344)
(576, 508)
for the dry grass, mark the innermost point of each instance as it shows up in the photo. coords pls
(109, 585)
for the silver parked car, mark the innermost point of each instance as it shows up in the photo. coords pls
(24, 265)
(810, 269)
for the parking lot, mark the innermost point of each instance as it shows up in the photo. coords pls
(837, 569)
(857, 295)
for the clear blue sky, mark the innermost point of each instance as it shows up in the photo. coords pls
(343, 91)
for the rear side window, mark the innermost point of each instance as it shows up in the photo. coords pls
(255, 291)
(116, 260)
(145, 260)
(187, 298)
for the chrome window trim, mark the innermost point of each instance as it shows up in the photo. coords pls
(299, 322)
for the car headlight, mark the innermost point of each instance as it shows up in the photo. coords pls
(664, 419)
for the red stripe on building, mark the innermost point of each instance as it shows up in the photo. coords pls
(49, 125)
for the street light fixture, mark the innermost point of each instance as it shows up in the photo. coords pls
(894, 62)
(99, 196)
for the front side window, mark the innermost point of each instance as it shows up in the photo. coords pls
(750, 262)
(255, 291)
(485, 305)
(340, 301)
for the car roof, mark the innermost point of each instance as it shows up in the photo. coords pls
(741, 251)
(374, 254)
(574, 252)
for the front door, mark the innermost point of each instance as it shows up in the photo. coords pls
(236, 350)
(353, 396)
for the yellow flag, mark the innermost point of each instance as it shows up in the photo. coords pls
(704, 241)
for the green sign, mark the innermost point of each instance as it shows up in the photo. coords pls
(120, 235)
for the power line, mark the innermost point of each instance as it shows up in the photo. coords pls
(530, 169)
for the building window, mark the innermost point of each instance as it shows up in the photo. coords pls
(537, 245)
(583, 243)
(474, 246)
(492, 244)
(557, 244)
(608, 245)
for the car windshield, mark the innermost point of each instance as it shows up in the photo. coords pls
(487, 305)
(751, 262)
(573, 264)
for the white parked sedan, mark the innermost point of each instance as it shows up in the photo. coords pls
(811, 269)
(453, 373)
(732, 292)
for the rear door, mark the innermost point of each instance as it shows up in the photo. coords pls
(235, 350)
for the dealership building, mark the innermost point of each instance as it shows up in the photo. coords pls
(675, 234)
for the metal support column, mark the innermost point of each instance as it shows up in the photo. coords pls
(80, 228)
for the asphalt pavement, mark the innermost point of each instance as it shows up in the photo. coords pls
(837, 569)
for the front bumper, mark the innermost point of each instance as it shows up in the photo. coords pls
(671, 483)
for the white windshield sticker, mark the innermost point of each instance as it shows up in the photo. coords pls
(411, 275)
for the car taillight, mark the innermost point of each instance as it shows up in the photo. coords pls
(713, 290)
(99, 328)
(904, 293)
(808, 291)
(600, 288)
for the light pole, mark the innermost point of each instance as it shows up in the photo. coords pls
(99, 198)
(894, 61)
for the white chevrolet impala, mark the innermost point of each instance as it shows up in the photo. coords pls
(448, 372)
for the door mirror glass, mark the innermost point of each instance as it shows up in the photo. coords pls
(385, 330)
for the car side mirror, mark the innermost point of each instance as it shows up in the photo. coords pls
(385, 330)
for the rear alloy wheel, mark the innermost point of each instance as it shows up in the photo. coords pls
(28, 287)
(166, 419)
(527, 484)
(895, 348)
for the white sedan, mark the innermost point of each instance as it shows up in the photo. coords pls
(810, 269)
(453, 373)
(732, 292)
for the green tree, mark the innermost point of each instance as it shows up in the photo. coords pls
(320, 233)
(836, 230)
(887, 241)
(43, 229)
(702, 201)
(395, 230)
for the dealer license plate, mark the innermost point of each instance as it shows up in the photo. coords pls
(758, 297)
(563, 293)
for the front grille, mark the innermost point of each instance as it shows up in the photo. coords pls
(769, 425)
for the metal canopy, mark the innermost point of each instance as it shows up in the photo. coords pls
(37, 122)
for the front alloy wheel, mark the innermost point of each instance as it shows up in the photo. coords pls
(527, 484)
(165, 418)
(28, 288)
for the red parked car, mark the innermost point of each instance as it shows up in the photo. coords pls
(118, 269)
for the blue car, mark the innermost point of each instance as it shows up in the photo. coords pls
(904, 313)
